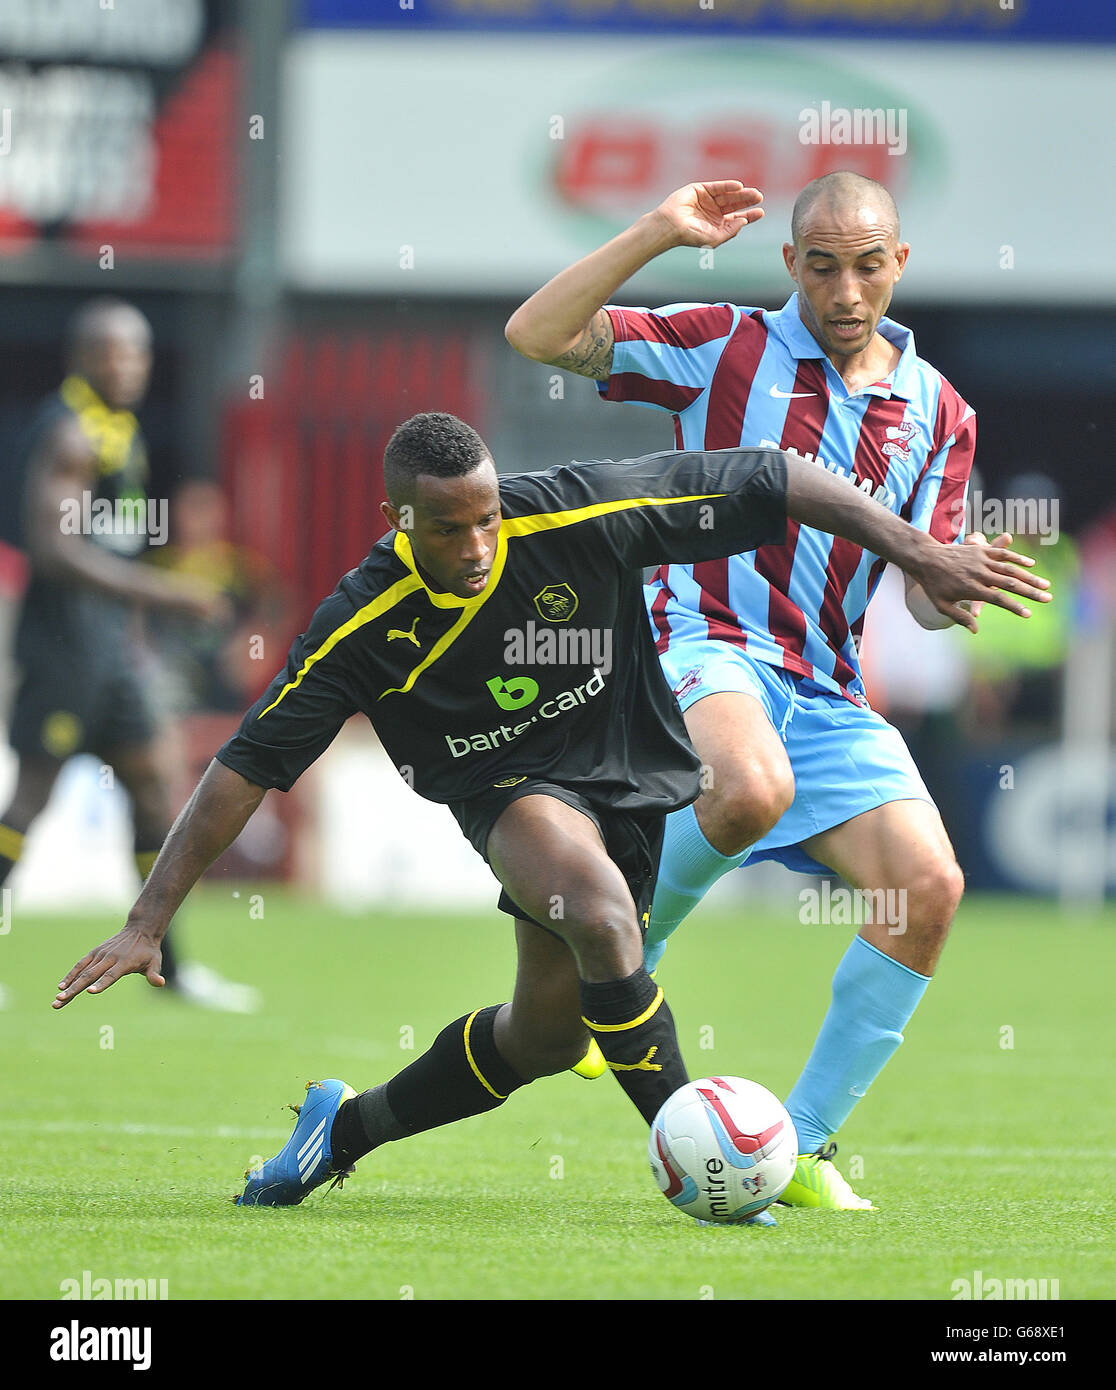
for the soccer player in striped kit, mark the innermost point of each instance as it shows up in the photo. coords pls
(762, 648)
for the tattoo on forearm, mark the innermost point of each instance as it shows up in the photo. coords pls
(591, 355)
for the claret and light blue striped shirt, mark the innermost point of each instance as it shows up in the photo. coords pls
(735, 376)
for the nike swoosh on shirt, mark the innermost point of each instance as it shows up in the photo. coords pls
(790, 395)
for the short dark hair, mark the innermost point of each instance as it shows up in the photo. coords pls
(435, 444)
(101, 318)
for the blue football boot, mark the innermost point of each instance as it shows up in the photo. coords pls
(305, 1160)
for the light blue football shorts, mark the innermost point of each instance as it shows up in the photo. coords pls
(846, 758)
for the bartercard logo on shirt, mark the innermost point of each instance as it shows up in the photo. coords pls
(514, 693)
(488, 740)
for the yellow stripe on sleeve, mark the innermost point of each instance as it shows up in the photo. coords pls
(368, 614)
(546, 521)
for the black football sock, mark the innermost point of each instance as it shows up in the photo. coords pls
(634, 1029)
(461, 1074)
(11, 847)
(145, 860)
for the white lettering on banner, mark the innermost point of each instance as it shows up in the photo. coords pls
(81, 143)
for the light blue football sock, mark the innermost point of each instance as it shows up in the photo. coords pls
(688, 868)
(873, 999)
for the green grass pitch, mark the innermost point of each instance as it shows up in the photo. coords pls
(128, 1119)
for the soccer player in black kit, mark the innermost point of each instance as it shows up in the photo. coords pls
(82, 687)
(561, 775)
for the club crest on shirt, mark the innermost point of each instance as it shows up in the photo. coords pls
(557, 603)
(898, 437)
(690, 681)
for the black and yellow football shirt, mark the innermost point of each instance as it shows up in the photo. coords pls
(81, 687)
(551, 671)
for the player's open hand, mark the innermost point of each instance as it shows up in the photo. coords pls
(709, 214)
(129, 952)
(978, 538)
(960, 579)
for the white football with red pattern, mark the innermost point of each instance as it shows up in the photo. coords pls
(722, 1149)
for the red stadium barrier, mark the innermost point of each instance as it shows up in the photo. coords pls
(302, 466)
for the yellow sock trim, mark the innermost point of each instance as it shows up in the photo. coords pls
(472, 1063)
(621, 1027)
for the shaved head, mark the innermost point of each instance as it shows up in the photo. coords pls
(846, 259)
(108, 342)
(840, 195)
(105, 318)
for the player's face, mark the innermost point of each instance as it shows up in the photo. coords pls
(453, 527)
(845, 264)
(118, 364)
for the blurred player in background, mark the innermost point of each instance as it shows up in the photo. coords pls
(1017, 675)
(761, 649)
(86, 521)
(559, 772)
(209, 663)
(207, 671)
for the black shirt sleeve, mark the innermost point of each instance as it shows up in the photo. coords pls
(669, 508)
(300, 714)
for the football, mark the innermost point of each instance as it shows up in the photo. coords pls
(722, 1149)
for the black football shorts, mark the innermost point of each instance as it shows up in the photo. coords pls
(633, 841)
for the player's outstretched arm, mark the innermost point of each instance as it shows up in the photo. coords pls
(564, 323)
(949, 575)
(63, 469)
(210, 821)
